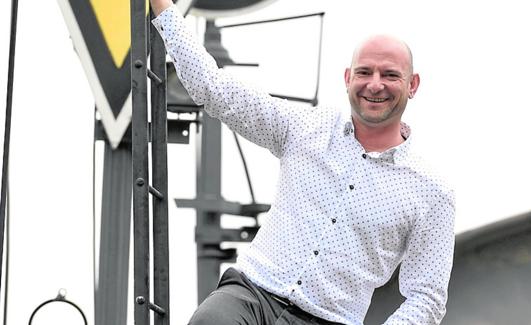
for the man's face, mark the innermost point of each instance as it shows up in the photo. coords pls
(380, 81)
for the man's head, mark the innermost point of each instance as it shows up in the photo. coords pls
(380, 81)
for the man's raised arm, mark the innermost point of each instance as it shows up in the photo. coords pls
(251, 112)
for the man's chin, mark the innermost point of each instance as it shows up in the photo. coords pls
(375, 119)
(372, 117)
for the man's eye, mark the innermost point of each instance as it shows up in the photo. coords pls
(392, 76)
(362, 73)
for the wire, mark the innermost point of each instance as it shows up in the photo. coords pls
(245, 167)
(192, 4)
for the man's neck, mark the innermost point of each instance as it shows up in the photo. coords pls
(377, 138)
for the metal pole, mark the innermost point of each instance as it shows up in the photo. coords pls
(159, 140)
(140, 161)
(111, 291)
(7, 130)
(208, 187)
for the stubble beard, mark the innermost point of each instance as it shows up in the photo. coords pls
(372, 119)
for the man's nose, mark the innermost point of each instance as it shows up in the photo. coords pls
(375, 84)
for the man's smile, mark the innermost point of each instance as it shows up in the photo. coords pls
(375, 99)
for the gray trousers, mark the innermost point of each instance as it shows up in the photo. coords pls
(237, 301)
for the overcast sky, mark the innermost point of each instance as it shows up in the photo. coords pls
(470, 117)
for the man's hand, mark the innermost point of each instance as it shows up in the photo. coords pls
(158, 6)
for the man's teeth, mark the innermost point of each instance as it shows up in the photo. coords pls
(375, 100)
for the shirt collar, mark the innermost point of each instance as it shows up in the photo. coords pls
(394, 155)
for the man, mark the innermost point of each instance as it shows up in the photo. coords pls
(354, 199)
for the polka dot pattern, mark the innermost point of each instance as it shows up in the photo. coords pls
(343, 219)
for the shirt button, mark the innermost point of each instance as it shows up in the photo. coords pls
(316, 253)
(351, 186)
(334, 220)
(364, 156)
(299, 282)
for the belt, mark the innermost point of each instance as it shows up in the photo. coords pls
(282, 300)
(287, 303)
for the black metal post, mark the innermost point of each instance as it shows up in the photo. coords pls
(208, 187)
(159, 171)
(140, 160)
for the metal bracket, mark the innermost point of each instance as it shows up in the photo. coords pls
(154, 77)
(159, 310)
(153, 191)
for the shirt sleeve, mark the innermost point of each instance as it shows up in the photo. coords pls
(252, 113)
(427, 264)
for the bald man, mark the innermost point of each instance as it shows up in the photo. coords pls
(354, 200)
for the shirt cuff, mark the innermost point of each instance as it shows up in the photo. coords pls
(167, 18)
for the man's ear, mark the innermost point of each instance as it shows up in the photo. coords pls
(414, 84)
(347, 77)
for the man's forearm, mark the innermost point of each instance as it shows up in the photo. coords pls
(158, 6)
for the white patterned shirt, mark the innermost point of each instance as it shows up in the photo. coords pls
(342, 219)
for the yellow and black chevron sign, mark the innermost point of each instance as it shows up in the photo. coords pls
(101, 33)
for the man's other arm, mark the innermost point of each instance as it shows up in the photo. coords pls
(427, 264)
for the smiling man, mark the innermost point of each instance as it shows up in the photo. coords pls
(379, 83)
(354, 201)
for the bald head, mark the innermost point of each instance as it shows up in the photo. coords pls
(384, 43)
(380, 81)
